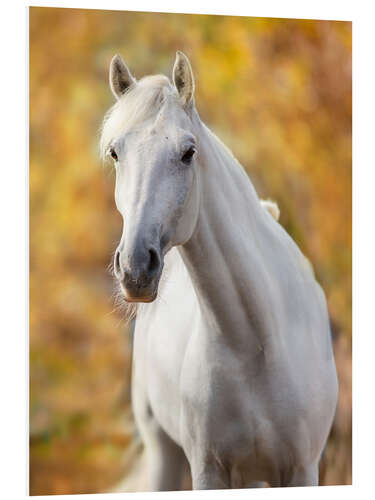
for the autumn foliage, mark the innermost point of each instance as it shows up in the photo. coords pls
(278, 93)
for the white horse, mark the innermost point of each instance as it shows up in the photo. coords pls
(233, 372)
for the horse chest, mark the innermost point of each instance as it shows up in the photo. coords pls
(218, 399)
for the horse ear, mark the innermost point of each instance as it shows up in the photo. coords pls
(183, 78)
(120, 77)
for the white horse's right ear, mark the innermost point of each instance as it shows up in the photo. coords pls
(120, 78)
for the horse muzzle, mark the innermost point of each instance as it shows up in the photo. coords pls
(142, 289)
(139, 276)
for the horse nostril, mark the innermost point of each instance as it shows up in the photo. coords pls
(154, 262)
(117, 265)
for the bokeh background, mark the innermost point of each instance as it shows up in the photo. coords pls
(278, 93)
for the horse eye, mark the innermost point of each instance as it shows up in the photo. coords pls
(188, 156)
(113, 154)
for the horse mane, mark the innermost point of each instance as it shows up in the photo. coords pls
(138, 104)
(272, 207)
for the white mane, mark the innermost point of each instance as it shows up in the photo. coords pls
(138, 104)
(272, 207)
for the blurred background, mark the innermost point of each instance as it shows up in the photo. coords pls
(278, 93)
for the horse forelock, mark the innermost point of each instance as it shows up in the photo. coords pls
(139, 103)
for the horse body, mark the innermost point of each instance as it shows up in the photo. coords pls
(230, 372)
(233, 369)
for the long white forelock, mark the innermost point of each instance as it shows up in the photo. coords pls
(138, 104)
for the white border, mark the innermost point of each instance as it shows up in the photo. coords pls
(14, 381)
(318, 9)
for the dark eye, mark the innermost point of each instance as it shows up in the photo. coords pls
(188, 156)
(112, 152)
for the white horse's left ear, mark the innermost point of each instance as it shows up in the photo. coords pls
(183, 78)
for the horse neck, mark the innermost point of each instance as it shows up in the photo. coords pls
(222, 256)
